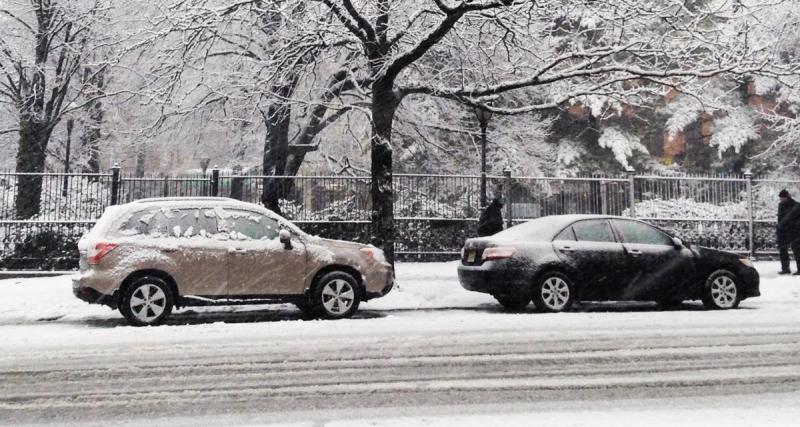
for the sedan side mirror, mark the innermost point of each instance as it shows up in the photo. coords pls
(678, 243)
(286, 238)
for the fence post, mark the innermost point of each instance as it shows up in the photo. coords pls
(509, 211)
(215, 181)
(115, 178)
(603, 197)
(631, 191)
(165, 187)
(748, 175)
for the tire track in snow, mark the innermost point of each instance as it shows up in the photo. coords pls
(472, 367)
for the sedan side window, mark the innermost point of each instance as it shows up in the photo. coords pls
(566, 234)
(636, 232)
(593, 231)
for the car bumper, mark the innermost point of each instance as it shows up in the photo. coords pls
(379, 281)
(752, 281)
(491, 278)
(85, 289)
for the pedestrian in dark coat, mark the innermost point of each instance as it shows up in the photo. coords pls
(491, 220)
(788, 231)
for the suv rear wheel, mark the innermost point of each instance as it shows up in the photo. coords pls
(146, 301)
(336, 296)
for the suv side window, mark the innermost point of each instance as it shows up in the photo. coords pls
(246, 225)
(636, 232)
(168, 222)
(593, 230)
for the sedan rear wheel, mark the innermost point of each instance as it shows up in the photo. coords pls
(146, 301)
(336, 296)
(722, 291)
(554, 292)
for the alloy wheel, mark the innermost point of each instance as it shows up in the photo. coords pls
(337, 296)
(724, 292)
(555, 293)
(148, 302)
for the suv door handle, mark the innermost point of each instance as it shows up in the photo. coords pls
(237, 251)
(635, 252)
(169, 250)
(566, 249)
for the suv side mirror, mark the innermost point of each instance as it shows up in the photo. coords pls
(286, 238)
(678, 243)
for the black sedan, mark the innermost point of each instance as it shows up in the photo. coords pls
(557, 260)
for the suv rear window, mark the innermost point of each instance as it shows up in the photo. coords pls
(168, 222)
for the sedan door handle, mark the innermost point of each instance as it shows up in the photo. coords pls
(169, 250)
(237, 251)
(635, 252)
(566, 249)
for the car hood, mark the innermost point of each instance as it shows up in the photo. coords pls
(337, 244)
(712, 253)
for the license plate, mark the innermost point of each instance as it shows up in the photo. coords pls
(471, 256)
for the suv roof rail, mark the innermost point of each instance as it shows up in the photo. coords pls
(185, 198)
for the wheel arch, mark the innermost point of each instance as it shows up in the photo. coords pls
(565, 269)
(352, 271)
(166, 277)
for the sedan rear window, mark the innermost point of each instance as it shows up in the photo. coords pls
(597, 230)
(566, 234)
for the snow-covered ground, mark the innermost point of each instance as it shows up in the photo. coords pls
(450, 355)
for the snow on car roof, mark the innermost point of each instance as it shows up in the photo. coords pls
(546, 227)
(172, 201)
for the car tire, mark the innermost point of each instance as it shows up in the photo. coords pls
(722, 291)
(553, 292)
(147, 301)
(512, 303)
(335, 296)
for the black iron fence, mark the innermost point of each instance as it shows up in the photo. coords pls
(434, 213)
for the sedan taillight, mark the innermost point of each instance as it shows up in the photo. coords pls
(497, 253)
(99, 251)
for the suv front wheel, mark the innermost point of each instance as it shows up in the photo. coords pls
(146, 301)
(336, 296)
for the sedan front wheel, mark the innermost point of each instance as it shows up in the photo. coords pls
(722, 291)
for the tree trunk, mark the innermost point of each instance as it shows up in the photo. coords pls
(33, 138)
(138, 172)
(276, 150)
(91, 130)
(384, 106)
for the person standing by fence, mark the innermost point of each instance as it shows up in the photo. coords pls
(788, 231)
(491, 220)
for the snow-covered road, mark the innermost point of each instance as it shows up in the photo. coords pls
(429, 352)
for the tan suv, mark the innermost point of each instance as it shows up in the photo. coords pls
(151, 255)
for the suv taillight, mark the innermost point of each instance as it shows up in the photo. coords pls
(99, 251)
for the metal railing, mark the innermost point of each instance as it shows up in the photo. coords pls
(434, 213)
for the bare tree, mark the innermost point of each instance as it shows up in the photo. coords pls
(42, 46)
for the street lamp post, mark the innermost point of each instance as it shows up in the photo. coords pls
(483, 116)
